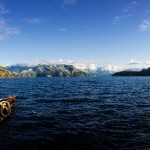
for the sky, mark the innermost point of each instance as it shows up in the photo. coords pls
(113, 32)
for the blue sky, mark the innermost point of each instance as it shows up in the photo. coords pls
(116, 32)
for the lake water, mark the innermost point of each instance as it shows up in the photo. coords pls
(77, 113)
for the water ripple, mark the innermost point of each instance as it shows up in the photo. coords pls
(77, 113)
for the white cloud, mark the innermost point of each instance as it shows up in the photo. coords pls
(69, 2)
(33, 20)
(111, 68)
(92, 66)
(145, 25)
(6, 31)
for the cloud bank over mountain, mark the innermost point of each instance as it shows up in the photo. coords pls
(91, 67)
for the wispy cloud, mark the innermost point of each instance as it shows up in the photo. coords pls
(34, 20)
(135, 62)
(130, 7)
(145, 25)
(126, 12)
(69, 2)
(3, 10)
(62, 29)
(2, 23)
(7, 31)
(118, 19)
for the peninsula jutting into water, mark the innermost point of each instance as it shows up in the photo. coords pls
(143, 72)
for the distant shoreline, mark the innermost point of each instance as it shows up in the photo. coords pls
(143, 72)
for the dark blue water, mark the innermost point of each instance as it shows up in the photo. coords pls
(77, 113)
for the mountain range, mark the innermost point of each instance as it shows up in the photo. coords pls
(58, 69)
(65, 70)
(43, 70)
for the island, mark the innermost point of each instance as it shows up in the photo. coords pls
(143, 72)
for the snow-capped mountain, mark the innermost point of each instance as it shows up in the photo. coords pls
(90, 68)
(43, 70)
